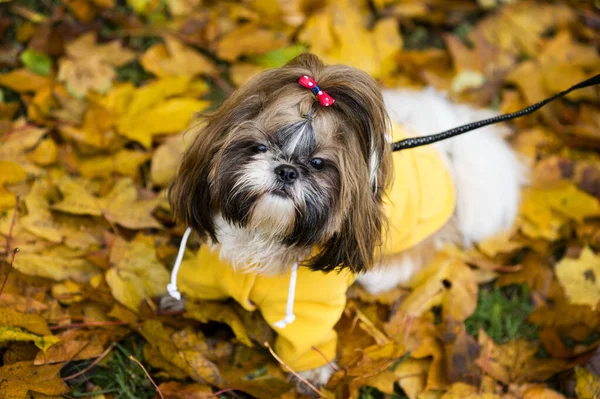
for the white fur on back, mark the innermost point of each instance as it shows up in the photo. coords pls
(486, 172)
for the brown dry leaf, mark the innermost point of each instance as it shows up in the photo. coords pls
(541, 392)
(73, 345)
(90, 66)
(460, 390)
(177, 390)
(174, 58)
(21, 303)
(136, 274)
(581, 278)
(518, 27)
(181, 350)
(516, 361)
(219, 312)
(81, 76)
(16, 380)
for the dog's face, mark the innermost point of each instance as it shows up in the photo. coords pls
(275, 165)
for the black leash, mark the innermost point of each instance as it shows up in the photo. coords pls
(424, 140)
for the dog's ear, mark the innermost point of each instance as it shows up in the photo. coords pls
(365, 169)
(190, 192)
(357, 243)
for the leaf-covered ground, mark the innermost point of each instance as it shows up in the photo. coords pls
(93, 97)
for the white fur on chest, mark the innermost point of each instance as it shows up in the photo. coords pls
(251, 251)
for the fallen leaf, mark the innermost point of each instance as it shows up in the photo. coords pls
(587, 384)
(446, 281)
(177, 390)
(174, 58)
(219, 312)
(122, 206)
(180, 350)
(581, 278)
(136, 274)
(23, 80)
(55, 267)
(249, 39)
(516, 361)
(16, 380)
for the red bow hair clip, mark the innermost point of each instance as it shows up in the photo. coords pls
(325, 99)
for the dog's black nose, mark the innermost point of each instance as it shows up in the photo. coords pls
(287, 174)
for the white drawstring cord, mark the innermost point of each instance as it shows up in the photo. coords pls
(172, 287)
(289, 308)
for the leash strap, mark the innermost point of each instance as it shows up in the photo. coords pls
(413, 142)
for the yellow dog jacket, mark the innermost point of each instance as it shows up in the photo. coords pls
(419, 202)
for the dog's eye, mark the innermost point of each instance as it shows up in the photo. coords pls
(317, 163)
(260, 148)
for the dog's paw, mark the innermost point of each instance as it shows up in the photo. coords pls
(317, 377)
(168, 304)
(390, 275)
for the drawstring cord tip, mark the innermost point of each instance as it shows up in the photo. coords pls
(172, 286)
(289, 308)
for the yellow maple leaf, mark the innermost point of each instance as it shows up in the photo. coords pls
(587, 385)
(546, 210)
(136, 273)
(157, 108)
(45, 153)
(30, 322)
(11, 172)
(122, 206)
(16, 334)
(249, 39)
(446, 281)
(56, 268)
(124, 162)
(581, 278)
(76, 199)
(175, 58)
(23, 80)
(338, 34)
(167, 157)
(168, 117)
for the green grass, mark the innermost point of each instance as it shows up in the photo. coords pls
(502, 314)
(121, 377)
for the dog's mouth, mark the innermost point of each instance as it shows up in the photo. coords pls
(281, 192)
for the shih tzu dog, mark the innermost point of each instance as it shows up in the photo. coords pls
(293, 187)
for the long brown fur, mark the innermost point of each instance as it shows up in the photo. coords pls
(348, 230)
